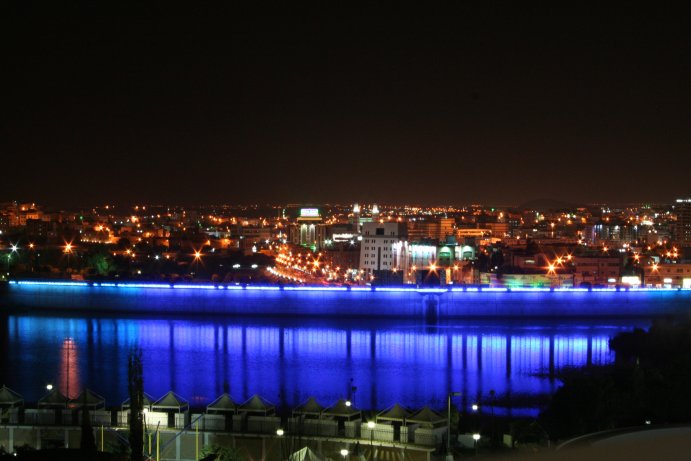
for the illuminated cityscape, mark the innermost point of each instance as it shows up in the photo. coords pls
(293, 232)
(360, 245)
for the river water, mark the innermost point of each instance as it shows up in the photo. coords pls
(376, 363)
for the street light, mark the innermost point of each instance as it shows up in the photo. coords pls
(476, 438)
(449, 456)
(13, 249)
(371, 425)
(68, 252)
(344, 453)
(279, 433)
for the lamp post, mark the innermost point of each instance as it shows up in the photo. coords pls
(371, 425)
(13, 249)
(68, 252)
(476, 438)
(279, 433)
(449, 456)
(197, 259)
(344, 453)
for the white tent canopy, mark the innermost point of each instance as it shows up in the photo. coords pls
(306, 454)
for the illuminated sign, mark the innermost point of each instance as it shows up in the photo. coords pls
(309, 212)
(342, 237)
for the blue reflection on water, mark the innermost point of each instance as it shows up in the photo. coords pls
(288, 360)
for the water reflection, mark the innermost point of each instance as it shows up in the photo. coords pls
(287, 361)
(69, 369)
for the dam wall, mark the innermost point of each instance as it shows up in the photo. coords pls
(427, 303)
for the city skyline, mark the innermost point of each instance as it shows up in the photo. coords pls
(468, 105)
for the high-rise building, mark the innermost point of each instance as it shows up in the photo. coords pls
(683, 226)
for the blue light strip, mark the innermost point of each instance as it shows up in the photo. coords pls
(291, 288)
(263, 288)
(196, 287)
(64, 284)
(473, 289)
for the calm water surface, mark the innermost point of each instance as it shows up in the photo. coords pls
(288, 360)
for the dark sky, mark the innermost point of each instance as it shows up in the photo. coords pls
(110, 103)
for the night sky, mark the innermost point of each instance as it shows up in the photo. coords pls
(110, 103)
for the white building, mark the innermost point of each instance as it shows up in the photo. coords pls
(376, 247)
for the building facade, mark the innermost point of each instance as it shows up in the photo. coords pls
(376, 247)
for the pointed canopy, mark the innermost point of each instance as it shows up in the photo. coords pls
(223, 404)
(148, 400)
(395, 413)
(170, 401)
(10, 398)
(342, 410)
(90, 399)
(427, 417)
(53, 399)
(257, 405)
(306, 454)
(310, 408)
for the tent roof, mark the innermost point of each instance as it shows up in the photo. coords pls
(223, 403)
(305, 454)
(148, 400)
(170, 401)
(10, 397)
(426, 416)
(311, 407)
(93, 400)
(395, 413)
(341, 409)
(53, 398)
(256, 404)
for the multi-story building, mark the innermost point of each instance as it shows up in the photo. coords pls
(437, 229)
(682, 229)
(376, 247)
(671, 275)
(308, 230)
(596, 270)
(447, 259)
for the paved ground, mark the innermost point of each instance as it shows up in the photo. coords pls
(633, 444)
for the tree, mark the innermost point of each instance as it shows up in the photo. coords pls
(136, 391)
(100, 260)
(649, 381)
